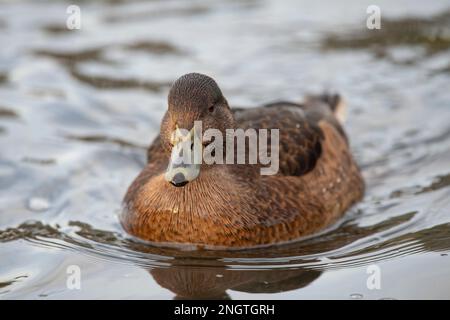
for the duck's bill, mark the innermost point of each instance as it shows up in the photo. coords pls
(185, 160)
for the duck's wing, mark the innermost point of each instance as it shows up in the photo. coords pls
(300, 133)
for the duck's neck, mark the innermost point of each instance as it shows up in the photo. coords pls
(217, 189)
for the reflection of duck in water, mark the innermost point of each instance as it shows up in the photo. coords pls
(233, 205)
(211, 283)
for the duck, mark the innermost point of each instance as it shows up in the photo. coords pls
(223, 205)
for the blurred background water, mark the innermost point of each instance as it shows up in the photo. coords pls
(79, 107)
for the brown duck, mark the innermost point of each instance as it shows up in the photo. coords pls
(233, 205)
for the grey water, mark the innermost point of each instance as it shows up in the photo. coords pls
(79, 107)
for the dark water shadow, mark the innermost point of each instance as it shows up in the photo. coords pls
(429, 33)
(105, 139)
(209, 274)
(72, 60)
(208, 283)
(3, 78)
(7, 113)
(189, 11)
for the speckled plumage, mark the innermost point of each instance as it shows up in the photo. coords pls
(233, 205)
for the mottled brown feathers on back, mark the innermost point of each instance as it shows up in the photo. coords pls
(300, 139)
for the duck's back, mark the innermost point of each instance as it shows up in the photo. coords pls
(301, 129)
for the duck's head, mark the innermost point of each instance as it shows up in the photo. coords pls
(194, 99)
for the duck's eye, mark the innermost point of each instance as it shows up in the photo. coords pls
(211, 108)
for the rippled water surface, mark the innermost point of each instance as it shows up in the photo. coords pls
(78, 108)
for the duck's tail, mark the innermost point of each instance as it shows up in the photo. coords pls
(336, 104)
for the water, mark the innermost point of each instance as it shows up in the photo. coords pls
(78, 109)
